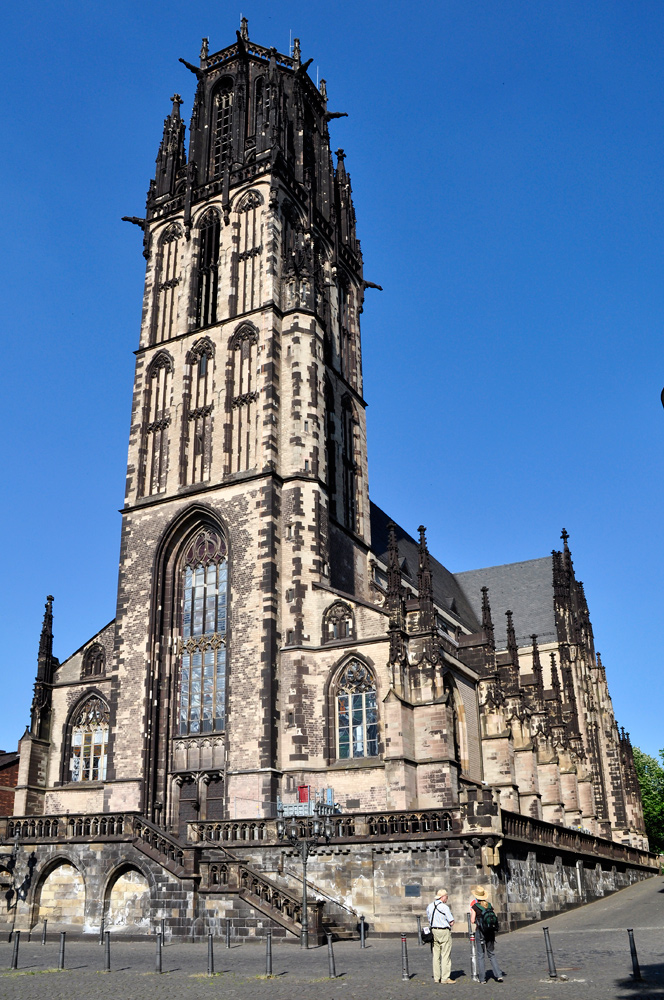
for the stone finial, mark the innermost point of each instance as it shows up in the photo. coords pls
(177, 101)
(205, 48)
(297, 55)
(322, 87)
(244, 29)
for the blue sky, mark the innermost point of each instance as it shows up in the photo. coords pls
(507, 166)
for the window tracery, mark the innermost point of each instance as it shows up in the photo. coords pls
(356, 712)
(338, 622)
(197, 413)
(222, 134)
(156, 423)
(202, 646)
(168, 280)
(242, 402)
(89, 741)
(349, 447)
(94, 661)
(208, 269)
(249, 249)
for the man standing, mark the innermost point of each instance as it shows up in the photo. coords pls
(441, 921)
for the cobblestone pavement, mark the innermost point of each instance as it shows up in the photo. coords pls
(590, 947)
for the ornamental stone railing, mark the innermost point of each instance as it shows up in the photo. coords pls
(526, 829)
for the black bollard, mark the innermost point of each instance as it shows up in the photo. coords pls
(268, 954)
(228, 933)
(107, 951)
(101, 931)
(363, 933)
(157, 963)
(419, 931)
(163, 931)
(61, 955)
(44, 932)
(635, 958)
(17, 938)
(210, 955)
(405, 975)
(331, 967)
(549, 954)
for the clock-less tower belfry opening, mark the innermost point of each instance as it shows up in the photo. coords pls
(282, 651)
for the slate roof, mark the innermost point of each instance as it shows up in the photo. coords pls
(525, 588)
(447, 592)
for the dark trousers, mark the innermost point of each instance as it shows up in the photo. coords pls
(485, 947)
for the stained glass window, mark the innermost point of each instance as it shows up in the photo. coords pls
(89, 740)
(357, 713)
(202, 698)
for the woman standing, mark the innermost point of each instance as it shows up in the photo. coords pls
(482, 917)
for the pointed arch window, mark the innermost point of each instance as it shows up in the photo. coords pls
(338, 622)
(156, 423)
(222, 127)
(242, 404)
(94, 661)
(248, 271)
(330, 446)
(208, 269)
(202, 647)
(89, 741)
(168, 280)
(356, 712)
(262, 106)
(349, 429)
(197, 414)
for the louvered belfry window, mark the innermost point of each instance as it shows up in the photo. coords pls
(208, 270)
(202, 647)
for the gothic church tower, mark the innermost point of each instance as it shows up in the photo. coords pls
(247, 472)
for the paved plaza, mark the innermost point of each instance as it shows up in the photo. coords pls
(590, 947)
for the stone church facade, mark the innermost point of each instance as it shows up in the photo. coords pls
(278, 639)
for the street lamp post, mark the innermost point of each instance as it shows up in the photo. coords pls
(289, 830)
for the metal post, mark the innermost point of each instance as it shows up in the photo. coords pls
(163, 931)
(549, 954)
(331, 967)
(44, 932)
(305, 919)
(17, 938)
(61, 956)
(210, 955)
(635, 958)
(473, 955)
(228, 933)
(405, 975)
(268, 954)
(101, 931)
(363, 933)
(419, 930)
(157, 964)
(107, 951)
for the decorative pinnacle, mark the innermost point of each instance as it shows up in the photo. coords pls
(323, 89)
(177, 101)
(340, 154)
(244, 29)
(487, 620)
(564, 537)
(205, 47)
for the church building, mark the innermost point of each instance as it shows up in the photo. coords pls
(280, 646)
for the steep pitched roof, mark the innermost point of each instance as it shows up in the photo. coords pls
(447, 592)
(526, 588)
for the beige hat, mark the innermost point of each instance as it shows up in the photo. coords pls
(480, 893)
(441, 892)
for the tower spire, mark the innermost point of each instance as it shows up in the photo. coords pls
(46, 662)
(171, 155)
(537, 668)
(487, 620)
(424, 582)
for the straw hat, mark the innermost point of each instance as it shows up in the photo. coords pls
(480, 892)
(441, 892)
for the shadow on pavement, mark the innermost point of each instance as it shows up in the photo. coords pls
(652, 984)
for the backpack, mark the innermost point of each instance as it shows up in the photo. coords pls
(487, 921)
